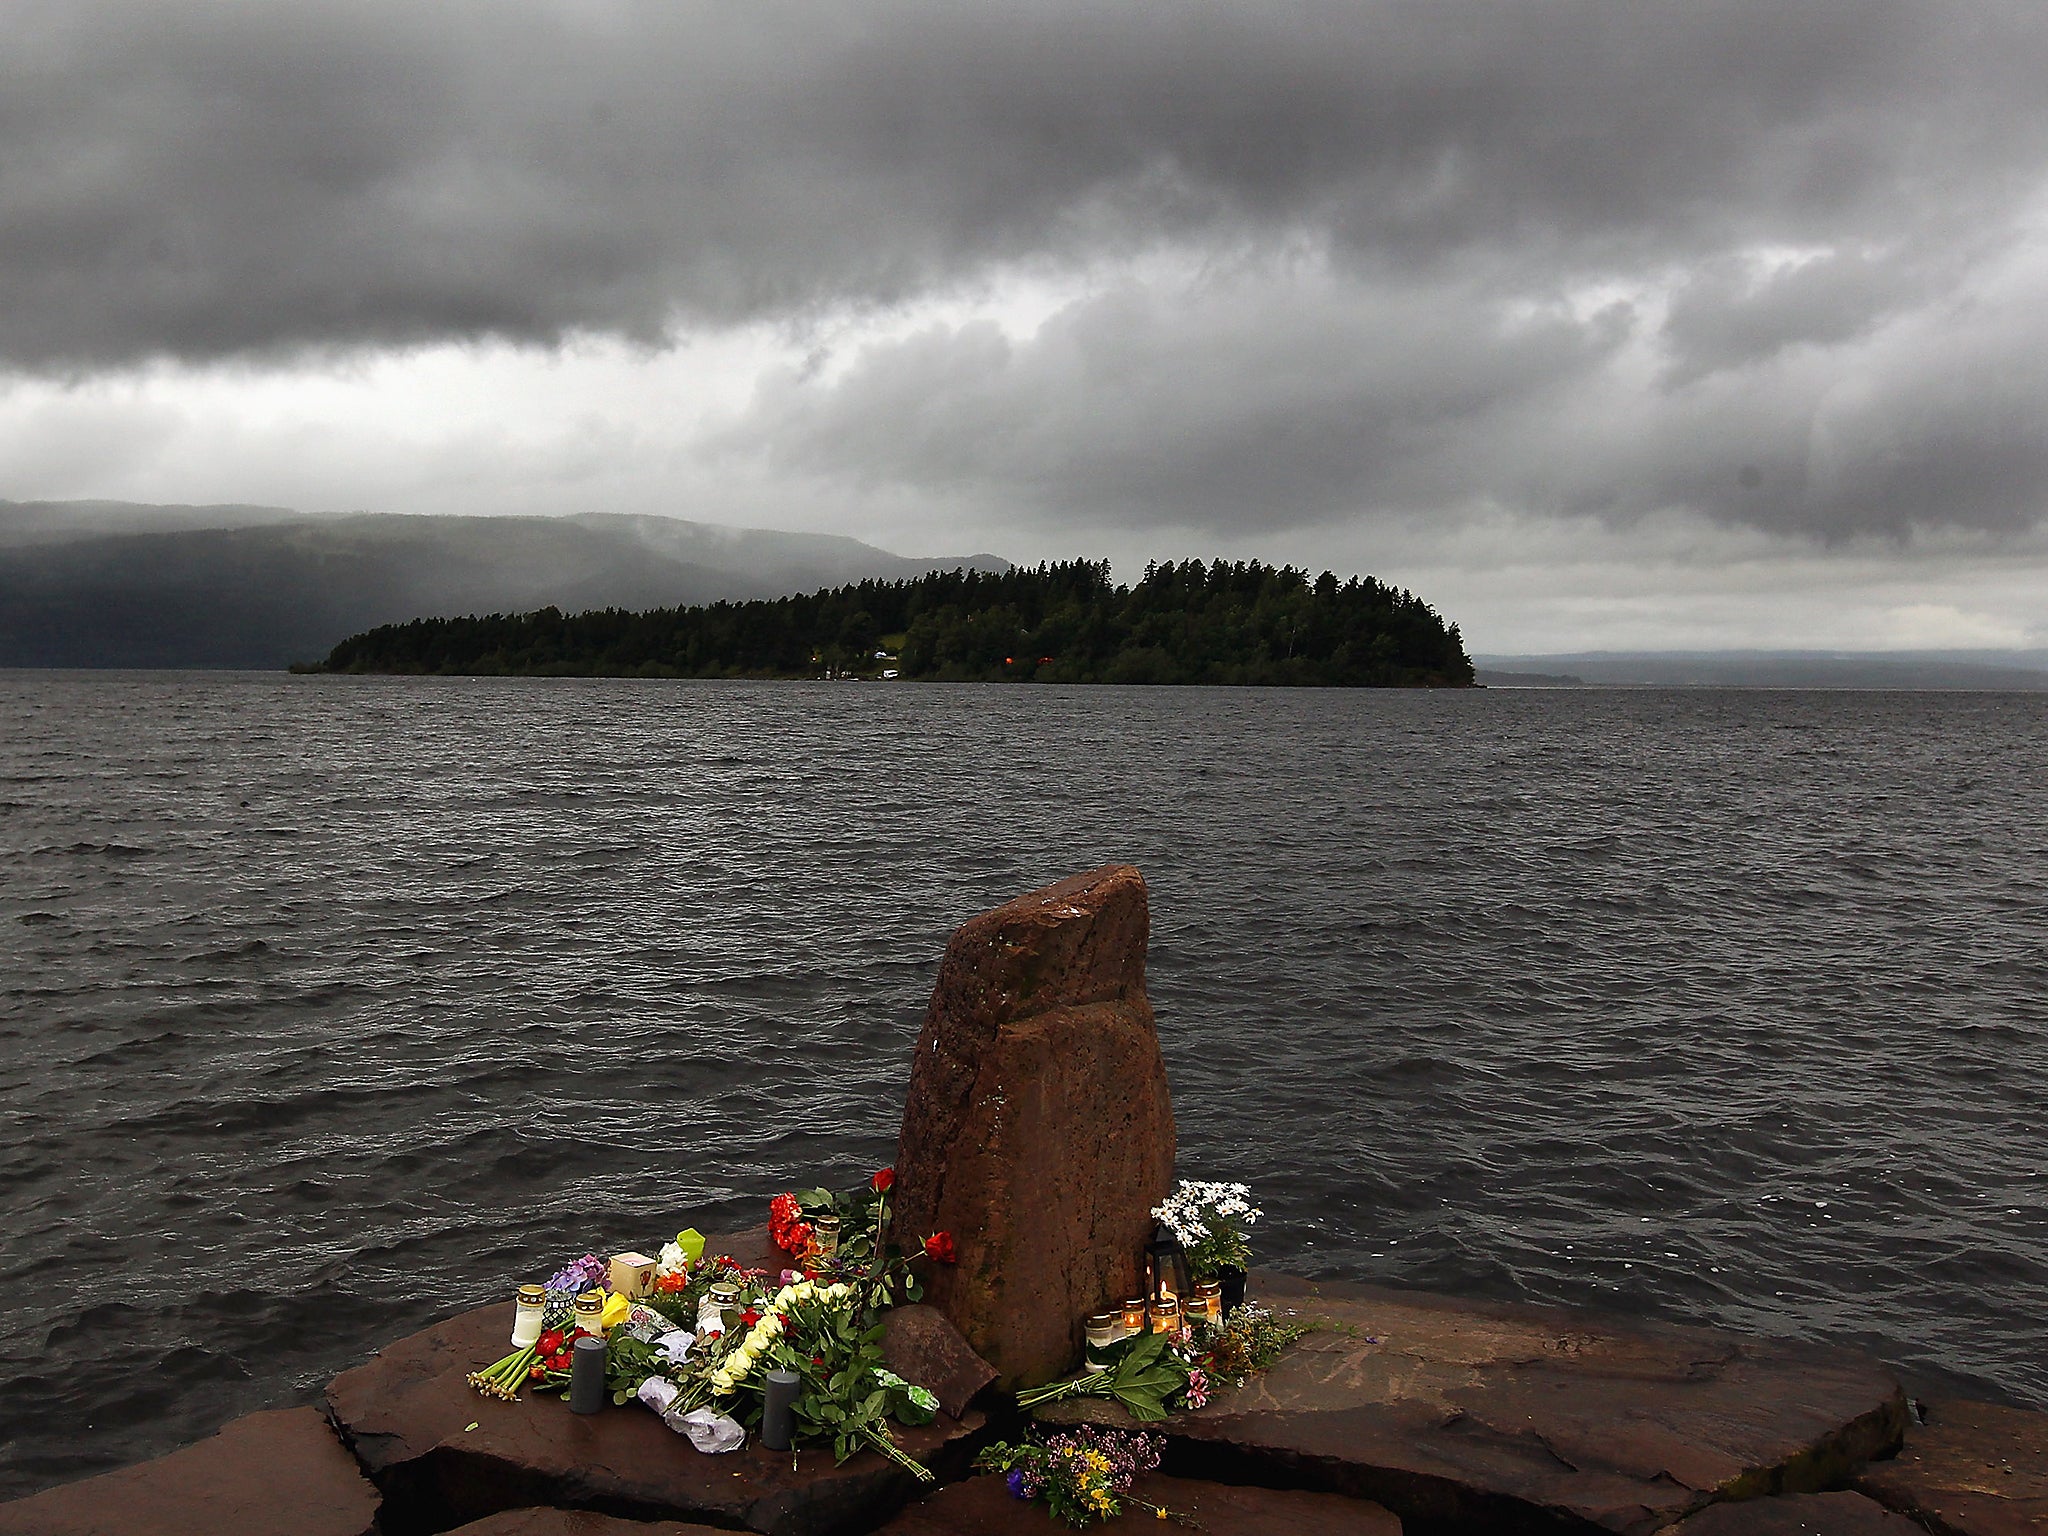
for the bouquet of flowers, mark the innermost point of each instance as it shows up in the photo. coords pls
(821, 1319)
(1248, 1343)
(1211, 1221)
(1152, 1375)
(1084, 1476)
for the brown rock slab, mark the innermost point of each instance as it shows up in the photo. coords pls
(1038, 1129)
(574, 1522)
(984, 1504)
(1799, 1514)
(924, 1347)
(1491, 1416)
(1973, 1469)
(281, 1472)
(406, 1415)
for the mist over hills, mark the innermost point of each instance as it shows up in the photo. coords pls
(118, 584)
(2023, 670)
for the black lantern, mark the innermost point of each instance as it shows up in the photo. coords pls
(1166, 1267)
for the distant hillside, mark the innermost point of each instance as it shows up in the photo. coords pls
(123, 585)
(64, 522)
(1066, 623)
(2020, 670)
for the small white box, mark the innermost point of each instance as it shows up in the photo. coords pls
(630, 1275)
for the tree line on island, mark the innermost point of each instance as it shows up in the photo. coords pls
(1068, 622)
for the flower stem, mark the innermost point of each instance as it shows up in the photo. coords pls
(880, 1440)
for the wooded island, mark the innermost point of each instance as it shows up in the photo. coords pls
(1064, 623)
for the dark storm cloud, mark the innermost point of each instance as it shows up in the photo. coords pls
(204, 179)
(1770, 191)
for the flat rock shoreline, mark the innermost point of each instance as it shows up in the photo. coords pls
(1406, 1412)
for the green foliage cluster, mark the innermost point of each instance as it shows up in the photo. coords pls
(1062, 623)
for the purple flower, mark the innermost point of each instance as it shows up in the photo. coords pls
(579, 1275)
(1017, 1488)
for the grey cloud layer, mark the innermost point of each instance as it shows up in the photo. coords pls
(222, 180)
(206, 179)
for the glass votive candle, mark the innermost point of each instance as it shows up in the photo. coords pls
(526, 1315)
(824, 1238)
(1134, 1316)
(590, 1313)
(1208, 1302)
(1166, 1314)
(726, 1297)
(1105, 1330)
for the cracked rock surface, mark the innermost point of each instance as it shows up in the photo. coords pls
(1482, 1416)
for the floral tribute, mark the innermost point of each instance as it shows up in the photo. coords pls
(699, 1358)
(1212, 1223)
(1084, 1476)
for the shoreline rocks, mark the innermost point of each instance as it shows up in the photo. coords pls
(281, 1472)
(407, 1414)
(1483, 1416)
(1414, 1412)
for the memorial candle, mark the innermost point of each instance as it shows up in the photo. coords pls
(586, 1374)
(778, 1409)
(526, 1315)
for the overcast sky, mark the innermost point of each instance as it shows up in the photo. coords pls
(1637, 323)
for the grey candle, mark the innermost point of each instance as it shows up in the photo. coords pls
(778, 1412)
(586, 1375)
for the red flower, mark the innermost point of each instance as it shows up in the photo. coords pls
(549, 1342)
(939, 1246)
(883, 1180)
(786, 1226)
(749, 1317)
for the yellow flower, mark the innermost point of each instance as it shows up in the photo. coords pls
(616, 1310)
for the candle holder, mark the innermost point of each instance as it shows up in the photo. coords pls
(586, 1375)
(824, 1244)
(528, 1315)
(590, 1313)
(725, 1296)
(1165, 1266)
(1105, 1332)
(778, 1409)
(1133, 1319)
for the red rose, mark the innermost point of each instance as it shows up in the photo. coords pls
(883, 1180)
(939, 1246)
(749, 1317)
(549, 1342)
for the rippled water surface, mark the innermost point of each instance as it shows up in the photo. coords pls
(330, 1005)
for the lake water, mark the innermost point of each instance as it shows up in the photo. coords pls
(329, 1005)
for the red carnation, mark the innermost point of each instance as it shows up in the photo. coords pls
(883, 1180)
(939, 1246)
(548, 1342)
